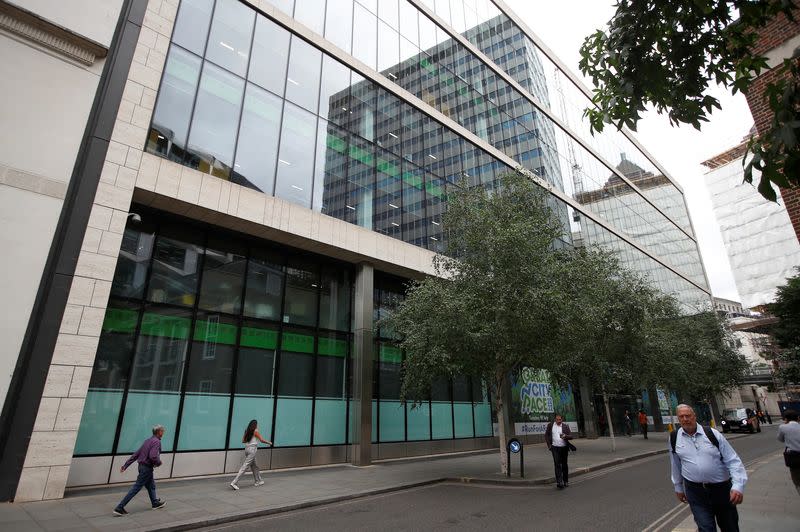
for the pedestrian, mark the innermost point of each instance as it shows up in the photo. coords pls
(148, 457)
(760, 416)
(643, 423)
(707, 473)
(556, 436)
(769, 418)
(627, 421)
(250, 440)
(789, 435)
(601, 421)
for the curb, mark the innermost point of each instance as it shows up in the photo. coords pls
(239, 516)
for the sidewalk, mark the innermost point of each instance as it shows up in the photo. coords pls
(771, 502)
(205, 501)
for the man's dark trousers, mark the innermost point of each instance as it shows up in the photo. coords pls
(644, 430)
(560, 462)
(708, 501)
(144, 480)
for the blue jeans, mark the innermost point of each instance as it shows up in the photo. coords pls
(144, 480)
(710, 501)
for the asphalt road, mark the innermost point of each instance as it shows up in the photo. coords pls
(632, 496)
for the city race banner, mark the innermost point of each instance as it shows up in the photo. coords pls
(535, 400)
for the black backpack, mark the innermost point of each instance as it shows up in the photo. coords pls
(673, 439)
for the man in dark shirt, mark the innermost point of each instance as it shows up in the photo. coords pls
(148, 456)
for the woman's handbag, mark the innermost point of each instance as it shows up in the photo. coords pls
(791, 458)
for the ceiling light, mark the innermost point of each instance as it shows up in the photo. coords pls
(296, 187)
(350, 207)
(290, 80)
(396, 225)
(393, 135)
(161, 137)
(432, 156)
(287, 163)
(434, 223)
(392, 75)
(226, 45)
(393, 206)
(434, 238)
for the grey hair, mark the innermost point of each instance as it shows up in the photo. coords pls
(682, 405)
(156, 428)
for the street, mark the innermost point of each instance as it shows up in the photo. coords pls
(632, 496)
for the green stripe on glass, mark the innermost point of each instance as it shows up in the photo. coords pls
(391, 354)
(168, 326)
(215, 332)
(120, 320)
(332, 347)
(299, 343)
(260, 338)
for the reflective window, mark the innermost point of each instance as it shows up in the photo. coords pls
(302, 82)
(330, 170)
(223, 276)
(312, 14)
(270, 56)
(296, 160)
(215, 121)
(176, 262)
(264, 292)
(330, 404)
(208, 383)
(414, 230)
(388, 51)
(387, 122)
(409, 25)
(302, 291)
(334, 304)
(391, 412)
(388, 12)
(154, 389)
(295, 389)
(257, 148)
(133, 263)
(363, 96)
(286, 6)
(365, 45)
(360, 183)
(388, 217)
(231, 31)
(339, 23)
(191, 24)
(436, 202)
(170, 125)
(334, 92)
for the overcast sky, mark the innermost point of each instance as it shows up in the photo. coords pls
(562, 26)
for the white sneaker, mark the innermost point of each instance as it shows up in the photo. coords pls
(260, 483)
(234, 486)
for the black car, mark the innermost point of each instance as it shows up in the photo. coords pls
(739, 420)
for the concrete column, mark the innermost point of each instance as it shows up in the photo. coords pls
(586, 406)
(658, 423)
(361, 416)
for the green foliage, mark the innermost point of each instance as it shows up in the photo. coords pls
(666, 53)
(787, 332)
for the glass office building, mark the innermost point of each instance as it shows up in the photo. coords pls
(353, 118)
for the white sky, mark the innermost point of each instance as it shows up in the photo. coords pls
(562, 26)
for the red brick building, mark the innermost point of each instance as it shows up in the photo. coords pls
(777, 41)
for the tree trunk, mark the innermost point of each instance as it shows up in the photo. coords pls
(589, 427)
(500, 393)
(610, 423)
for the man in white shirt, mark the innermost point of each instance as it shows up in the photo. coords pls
(556, 436)
(789, 435)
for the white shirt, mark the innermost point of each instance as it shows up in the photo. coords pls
(557, 441)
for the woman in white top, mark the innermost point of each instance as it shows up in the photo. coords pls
(250, 440)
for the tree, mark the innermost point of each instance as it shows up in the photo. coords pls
(489, 309)
(666, 53)
(787, 332)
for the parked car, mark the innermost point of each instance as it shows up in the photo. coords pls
(739, 420)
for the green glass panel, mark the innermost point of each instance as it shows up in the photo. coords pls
(120, 320)
(299, 343)
(391, 354)
(392, 416)
(167, 326)
(100, 413)
(419, 421)
(215, 332)
(332, 347)
(329, 421)
(261, 338)
(462, 412)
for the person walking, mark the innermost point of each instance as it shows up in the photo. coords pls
(643, 423)
(789, 435)
(148, 456)
(556, 435)
(707, 473)
(769, 417)
(627, 421)
(250, 440)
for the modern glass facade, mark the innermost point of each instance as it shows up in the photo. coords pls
(371, 112)
(207, 330)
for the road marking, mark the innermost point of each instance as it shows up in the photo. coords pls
(666, 518)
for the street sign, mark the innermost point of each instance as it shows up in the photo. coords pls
(514, 446)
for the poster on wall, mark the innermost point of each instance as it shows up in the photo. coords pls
(535, 400)
(664, 405)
